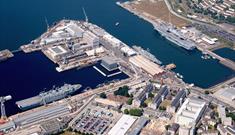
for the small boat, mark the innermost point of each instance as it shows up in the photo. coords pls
(117, 23)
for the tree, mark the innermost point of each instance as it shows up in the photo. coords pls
(143, 105)
(103, 95)
(162, 108)
(233, 6)
(232, 115)
(151, 95)
(231, 19)
(129, 101)
(207, 92)
(135, 112)
(167, 127)
(126, 111)
(122, 91)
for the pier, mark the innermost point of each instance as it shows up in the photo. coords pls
(226, 62)
(5, 54)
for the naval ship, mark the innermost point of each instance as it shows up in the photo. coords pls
(146, 54)
(174, 35)
(49, 96)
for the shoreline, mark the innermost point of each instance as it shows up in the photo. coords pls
(151, 21)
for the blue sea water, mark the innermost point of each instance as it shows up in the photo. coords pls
(226, 53)
(27, 74)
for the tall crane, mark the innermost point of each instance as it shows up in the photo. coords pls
(2, 101)
(47, 24)
(84, 12)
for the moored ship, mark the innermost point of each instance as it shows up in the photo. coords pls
(174, 35)
(48, 96)
(147, 54)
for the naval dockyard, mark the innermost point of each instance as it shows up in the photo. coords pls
(187, 37)
(73, 44)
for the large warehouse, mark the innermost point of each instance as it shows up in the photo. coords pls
(122, 126)
(145, 64)
(190, 112)
(227, 94)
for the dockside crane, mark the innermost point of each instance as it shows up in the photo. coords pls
(84, 12)
(3, 110)
(87, 20)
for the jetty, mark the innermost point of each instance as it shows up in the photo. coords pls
(5, 54)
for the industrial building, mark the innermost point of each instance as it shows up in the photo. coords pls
(50, 112)
(226, 130)
(53, 126)
(150, 67)
(227, 94)
(57, 52)
(157, 100)
(139, 100)
(74, 30)
(172, 130)
(109, 63)
(122, 126)
(183, 130)
(127, 51)
(139, 124)
(112, 40)
(177, 101)
(91, 39)
(7, 126)
(189, 114)
(227, 121)
(36, 117)
(106, 102)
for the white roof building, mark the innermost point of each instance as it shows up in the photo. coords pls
(227, 94)
(127, 50)
(210, 41)
(222, 114)
(190, 112)
(114, 41)
(95, 51)
(91, 38)
(74, 30)
(145, 64)
(122, 126)
(56, 51)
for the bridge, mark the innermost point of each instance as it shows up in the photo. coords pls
(226, 62)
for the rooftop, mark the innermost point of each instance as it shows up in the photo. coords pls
(109, 60)
(57, 50)
(122, 126)
(227, 93)
(190, 111)
(147, 65)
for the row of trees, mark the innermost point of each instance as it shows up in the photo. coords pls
(134, 112)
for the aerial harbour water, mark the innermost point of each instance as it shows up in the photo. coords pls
(38, 74)
(21, 28)
(226, 53)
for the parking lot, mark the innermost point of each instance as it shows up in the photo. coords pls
(96, 120)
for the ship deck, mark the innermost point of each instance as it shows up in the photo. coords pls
(33, 101)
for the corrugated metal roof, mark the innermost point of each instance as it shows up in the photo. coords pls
(176, 101)
(142, 121)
